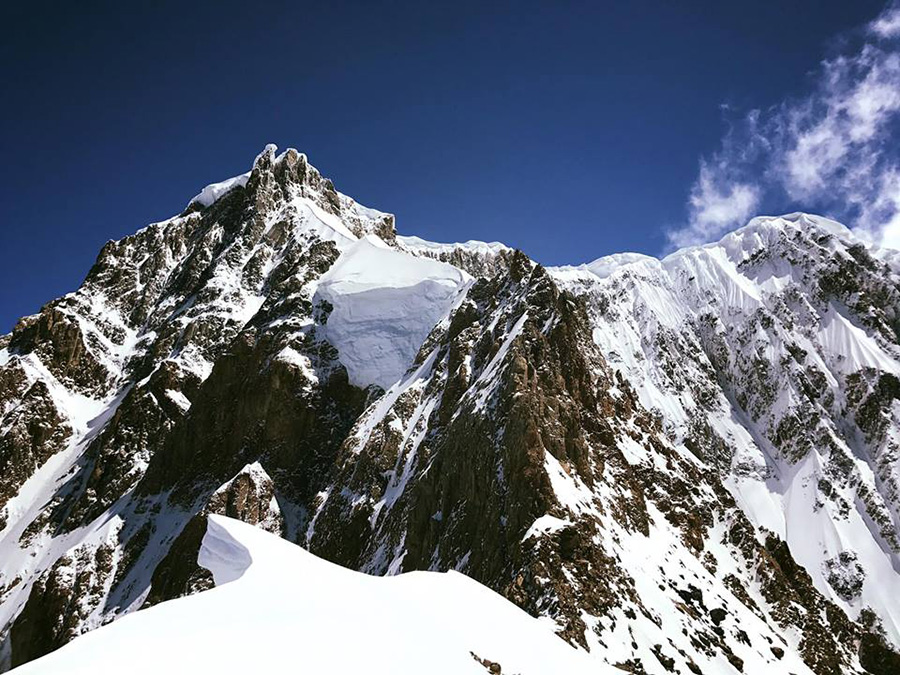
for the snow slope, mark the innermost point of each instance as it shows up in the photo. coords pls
(277, 608)
(385, 303)
(413, 243)
(214, 191)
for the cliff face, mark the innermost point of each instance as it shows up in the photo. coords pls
(684, 465)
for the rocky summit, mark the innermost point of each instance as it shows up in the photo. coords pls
(685, 465)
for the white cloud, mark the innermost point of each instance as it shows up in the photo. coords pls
(715, 205)
(832, 150)
(887, 25)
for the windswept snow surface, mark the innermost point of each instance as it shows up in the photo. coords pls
(214, 191)
(603, 267)
(385, 304)
(280, 609)
(413, 243)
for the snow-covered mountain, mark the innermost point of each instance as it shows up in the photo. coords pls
(678, 465)
(798, 324)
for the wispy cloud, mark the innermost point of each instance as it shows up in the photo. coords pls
(715, 204)
(835, 149)
(887, 25)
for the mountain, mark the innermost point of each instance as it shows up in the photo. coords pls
(679, 465)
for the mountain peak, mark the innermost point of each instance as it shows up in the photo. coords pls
(266, 158)
(288, 178)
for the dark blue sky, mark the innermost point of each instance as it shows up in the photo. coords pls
(569, 130)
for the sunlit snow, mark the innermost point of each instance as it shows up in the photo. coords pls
(278, 608)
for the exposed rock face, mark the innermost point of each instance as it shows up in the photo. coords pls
(34, 430)
(648, 453)
(475, 257)
(178, 574)
(250, 496)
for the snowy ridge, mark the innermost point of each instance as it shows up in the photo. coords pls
(478, 258)
(418, 244)
(285, 606)
(602, 267)
(214, 191)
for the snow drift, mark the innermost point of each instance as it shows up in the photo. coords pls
(385, 302)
